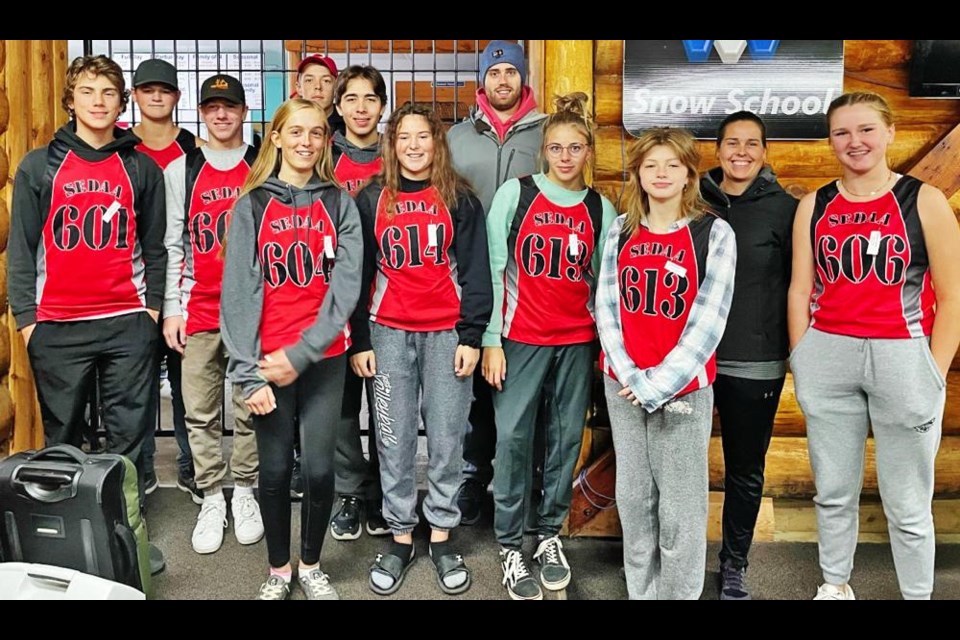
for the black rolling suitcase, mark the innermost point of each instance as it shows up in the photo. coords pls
(62, 507)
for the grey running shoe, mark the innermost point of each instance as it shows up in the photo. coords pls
(316, 586)
(275, 588)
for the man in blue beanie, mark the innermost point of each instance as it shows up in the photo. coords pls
(500, 139)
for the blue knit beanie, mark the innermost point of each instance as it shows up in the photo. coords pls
(499, 51)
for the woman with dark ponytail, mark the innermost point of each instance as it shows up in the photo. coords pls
(545, 233)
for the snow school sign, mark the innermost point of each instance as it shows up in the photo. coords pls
(695, 84)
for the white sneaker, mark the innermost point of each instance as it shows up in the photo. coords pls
(208, 534)
(247, 522)
(832, 592)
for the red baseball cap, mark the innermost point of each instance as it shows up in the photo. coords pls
(317, 59)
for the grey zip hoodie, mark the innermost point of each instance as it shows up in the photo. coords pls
(479, 157)
(241, 301)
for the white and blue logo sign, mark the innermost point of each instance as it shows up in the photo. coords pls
(695, 84)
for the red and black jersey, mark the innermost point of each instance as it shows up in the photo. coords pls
(297, 248)
(88, 263)
(210, 194)
(185, 142)
(353, 175)
(872, 274)
(659, 276)
(86, 231)
(416, 286)
(426, 264)
(548, 279)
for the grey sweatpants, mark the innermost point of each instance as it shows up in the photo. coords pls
(415, 377)
(563, 374)
(662, 492)
(844, 385)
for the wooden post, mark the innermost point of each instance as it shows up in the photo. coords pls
(33, 77)
(568, 67)
(41, 94)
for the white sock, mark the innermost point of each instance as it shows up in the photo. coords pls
(214, 497)
(303, 569)
(240, 491)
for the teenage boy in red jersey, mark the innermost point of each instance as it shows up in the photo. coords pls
(316, 79)
(86, 265)
(156, 92)
(360, 96)
(201, 189)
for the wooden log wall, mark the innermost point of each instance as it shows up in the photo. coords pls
(31, 84)
(877, 65)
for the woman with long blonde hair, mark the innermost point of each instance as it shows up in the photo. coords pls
(290, 282)
(666, 282)
(425, 301)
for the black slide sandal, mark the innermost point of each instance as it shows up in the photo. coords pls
(392, 566)
(447, 565)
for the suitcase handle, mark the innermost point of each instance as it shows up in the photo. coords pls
(60, 451)
(46, 477)
(51, 573)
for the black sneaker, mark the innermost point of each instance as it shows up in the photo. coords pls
(470, 501)
(554, 569)
(516, 577)
(189, 485)
(732, 584)
(296, 481)
(346, 523)
(376, 524)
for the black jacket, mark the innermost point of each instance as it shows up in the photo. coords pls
(762, 219)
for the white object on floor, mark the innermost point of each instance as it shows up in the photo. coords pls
(31, 581)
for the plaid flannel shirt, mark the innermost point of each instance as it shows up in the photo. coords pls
(657, 385)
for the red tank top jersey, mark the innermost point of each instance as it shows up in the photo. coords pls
(297, 257)
(872, 274)
(659, 276)
(416, 287)
(354, 176)
(210, 201)
(184, 142)
(547, 295)
(91, 264)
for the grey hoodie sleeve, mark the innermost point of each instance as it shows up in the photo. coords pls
(26, 229)
(174, 179)
(342, 296)
(241, 300)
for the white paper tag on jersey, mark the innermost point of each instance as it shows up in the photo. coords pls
(431, 235)
(111, 210)
(573, 245)
(673, 267)
(328, 247)
(873, 247)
